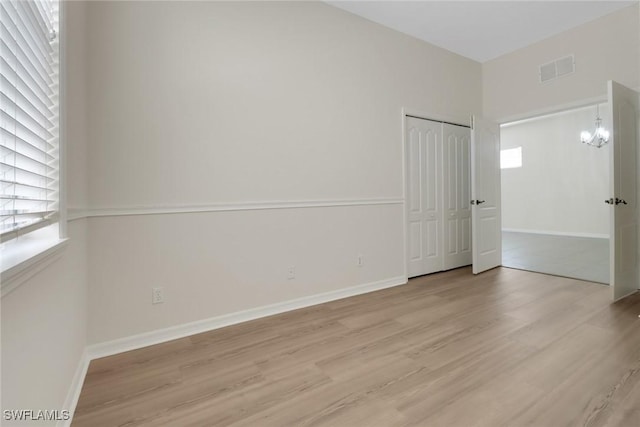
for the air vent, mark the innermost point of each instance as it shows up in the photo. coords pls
(558, 68)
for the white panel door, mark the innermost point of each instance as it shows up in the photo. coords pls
(486, 229)
(424, 210)
(623, 112)
(456, 196)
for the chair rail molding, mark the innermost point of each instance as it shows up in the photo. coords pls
(76, 213)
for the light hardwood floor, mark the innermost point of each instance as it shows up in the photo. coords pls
(505, 348)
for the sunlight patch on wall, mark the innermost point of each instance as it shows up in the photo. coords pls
(511, 158)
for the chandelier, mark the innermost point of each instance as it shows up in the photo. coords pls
(597, 138)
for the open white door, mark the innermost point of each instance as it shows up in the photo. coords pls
(486, 227)
(623, 114)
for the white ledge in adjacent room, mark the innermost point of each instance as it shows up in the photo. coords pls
(23, 257)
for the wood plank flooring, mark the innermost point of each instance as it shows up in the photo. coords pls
(505, 348)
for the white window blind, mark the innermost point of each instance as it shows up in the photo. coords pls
(29, 122)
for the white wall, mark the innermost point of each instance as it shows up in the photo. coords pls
(562, 184)
(605, 49)
(44, 330)
(44, 320)
(195, 103)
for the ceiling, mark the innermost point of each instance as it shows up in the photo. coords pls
(481, 30)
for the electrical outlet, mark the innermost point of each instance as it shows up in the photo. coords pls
(157, 295)
(360, 261)
(291, 272)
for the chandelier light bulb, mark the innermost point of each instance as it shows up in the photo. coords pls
(603, 134)
(599, 137)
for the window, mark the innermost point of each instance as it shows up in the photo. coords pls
(29, 122)
(511, 158)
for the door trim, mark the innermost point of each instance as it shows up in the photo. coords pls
(553, 109)
(437, 121)
(434, 117)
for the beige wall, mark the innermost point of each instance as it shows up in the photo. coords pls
(605, 49)
(76, 104)
(205, 103)
(217, 263)
(44, 320)
(202, 102)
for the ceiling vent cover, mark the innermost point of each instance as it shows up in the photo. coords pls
(558, 68)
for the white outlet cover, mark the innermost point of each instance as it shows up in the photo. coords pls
(157, 295)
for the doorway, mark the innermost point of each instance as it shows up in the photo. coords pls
(554, 218)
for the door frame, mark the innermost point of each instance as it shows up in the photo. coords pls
(426, 116)
(574, 105)
(555, 111)
(534, 114)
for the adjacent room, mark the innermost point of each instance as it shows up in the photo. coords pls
(292, 213)
(555, 218)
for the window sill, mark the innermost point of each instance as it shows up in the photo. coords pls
(22, 259)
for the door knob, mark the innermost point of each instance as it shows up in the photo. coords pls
(618, 201)
(477, 202)
(609, 201)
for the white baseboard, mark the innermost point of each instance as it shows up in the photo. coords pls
(134, 342)
(557, 233)
(76, 387)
